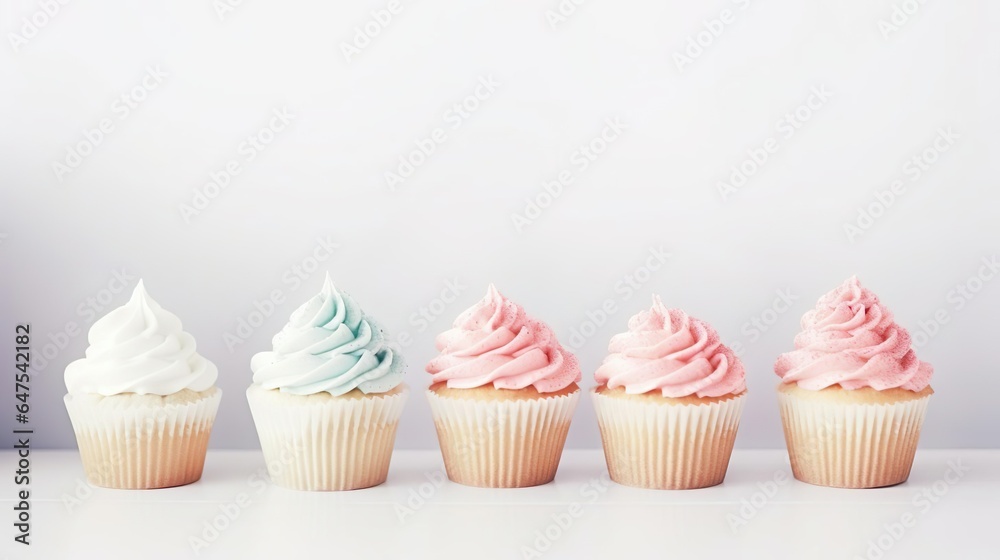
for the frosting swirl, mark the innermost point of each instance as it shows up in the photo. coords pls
(329, 345)
(494, 341)
(139, 348)
(666, 350)
(851, 340)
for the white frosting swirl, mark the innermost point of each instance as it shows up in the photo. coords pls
(140, 348)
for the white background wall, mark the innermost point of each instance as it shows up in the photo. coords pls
(66, 233)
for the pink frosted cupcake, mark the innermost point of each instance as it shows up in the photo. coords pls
(853, 394)
(668, 401)
(502, 397)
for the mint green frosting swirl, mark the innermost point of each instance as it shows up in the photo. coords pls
(329, 345)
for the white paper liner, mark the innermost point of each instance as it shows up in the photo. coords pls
(666, 445)
(326, 444)
(849, 445)
(502, 443)
(125, 442)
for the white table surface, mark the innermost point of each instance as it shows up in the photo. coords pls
(70, 519)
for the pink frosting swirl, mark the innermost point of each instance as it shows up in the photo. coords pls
(668, 351)
(850, 339)
(494, 341)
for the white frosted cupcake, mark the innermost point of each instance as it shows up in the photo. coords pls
(668, 401)
(328, 398)
(142, 402)
(853, 394)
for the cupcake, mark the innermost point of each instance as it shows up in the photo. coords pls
(853, 393)
(142, 401)
(327, 400)
(502, 396)
(668, 401)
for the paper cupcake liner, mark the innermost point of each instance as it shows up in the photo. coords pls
(324, 443)
(851, 445)
(502, 443)
(666, 445)
(127, 443)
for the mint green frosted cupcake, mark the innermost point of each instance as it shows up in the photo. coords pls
(326, 401)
